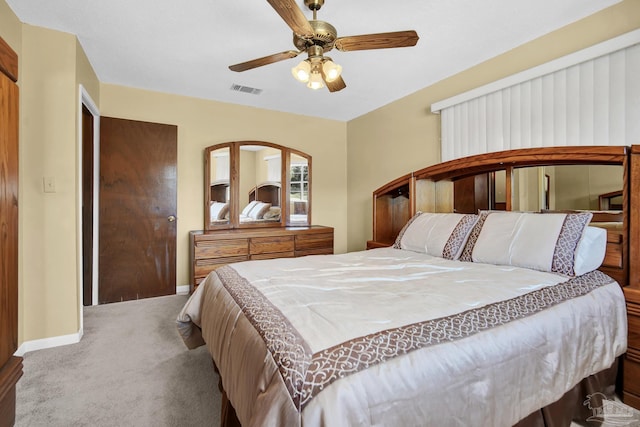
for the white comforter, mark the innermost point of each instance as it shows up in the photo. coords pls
(391, 337)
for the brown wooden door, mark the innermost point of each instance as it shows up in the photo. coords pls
(137, 235)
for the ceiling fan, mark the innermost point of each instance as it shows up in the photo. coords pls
(317, 38)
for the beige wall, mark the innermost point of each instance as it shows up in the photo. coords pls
(404, 136)
(579, 187)
(10, 27)
(202, 123)
(51, 68)
(51, 64)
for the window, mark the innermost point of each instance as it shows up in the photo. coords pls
(299, 189)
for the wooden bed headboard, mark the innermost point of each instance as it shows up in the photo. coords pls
(268, 192)
(461, 186)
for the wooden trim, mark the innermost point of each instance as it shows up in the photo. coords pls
(398, 182)
(509, 188)
(412, 197)
(473, 165)
(633, 220)
(8, 61)
(9, 376)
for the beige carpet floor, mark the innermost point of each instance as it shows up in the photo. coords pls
(130, 369)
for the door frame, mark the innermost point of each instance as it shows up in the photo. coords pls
(85, 99)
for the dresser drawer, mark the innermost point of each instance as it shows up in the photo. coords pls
(266, 245)
(316, 251)
(314, 241)
(221, 248)
(203, 267)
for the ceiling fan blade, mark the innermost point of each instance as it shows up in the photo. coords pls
(336, 85)
(377, 41)
(293, 16)
(265, 60)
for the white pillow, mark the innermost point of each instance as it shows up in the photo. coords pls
(436, 234)
(248, 208)
(545, 242)
(218, 210)
(591, 250)
(258, 210)
(518, 238)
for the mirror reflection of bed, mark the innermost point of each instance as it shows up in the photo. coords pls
(264, 204)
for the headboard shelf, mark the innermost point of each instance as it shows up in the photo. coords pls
(468, 184)
(481, 163)
(392, 207)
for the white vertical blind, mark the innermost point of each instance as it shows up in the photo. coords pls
(594, 102)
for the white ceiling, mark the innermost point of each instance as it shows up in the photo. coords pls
(185, 47)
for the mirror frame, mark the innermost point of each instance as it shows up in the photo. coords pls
(234, 186)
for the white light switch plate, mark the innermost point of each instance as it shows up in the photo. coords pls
(49, 183)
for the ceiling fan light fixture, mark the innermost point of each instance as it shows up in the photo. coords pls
(315, 81)
(302, 71)
(331, 70)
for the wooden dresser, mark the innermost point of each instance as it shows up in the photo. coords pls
(209, 250)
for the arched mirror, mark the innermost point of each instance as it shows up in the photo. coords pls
(256, 184)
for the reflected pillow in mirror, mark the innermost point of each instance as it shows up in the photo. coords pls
(258, 211)
(272, 214)
(218, 211)
(247, 209)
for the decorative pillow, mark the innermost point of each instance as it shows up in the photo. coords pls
(273, 213)
(591, 250)
(258, 211)
(541, 242)
(473, 237)
(218, 210)
(436, 234)
(248, 208)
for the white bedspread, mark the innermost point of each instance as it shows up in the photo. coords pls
(391, 337)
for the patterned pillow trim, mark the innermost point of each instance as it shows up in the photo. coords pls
(397, 244)
(570, 234)
(473, 237)
(459, 237)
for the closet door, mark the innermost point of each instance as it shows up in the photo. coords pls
(138, 198)
(10, 366)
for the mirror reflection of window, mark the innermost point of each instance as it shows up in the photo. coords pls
(299, 190)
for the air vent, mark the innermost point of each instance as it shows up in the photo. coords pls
(246, 89)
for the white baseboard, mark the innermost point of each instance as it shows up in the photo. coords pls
(43, 343)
